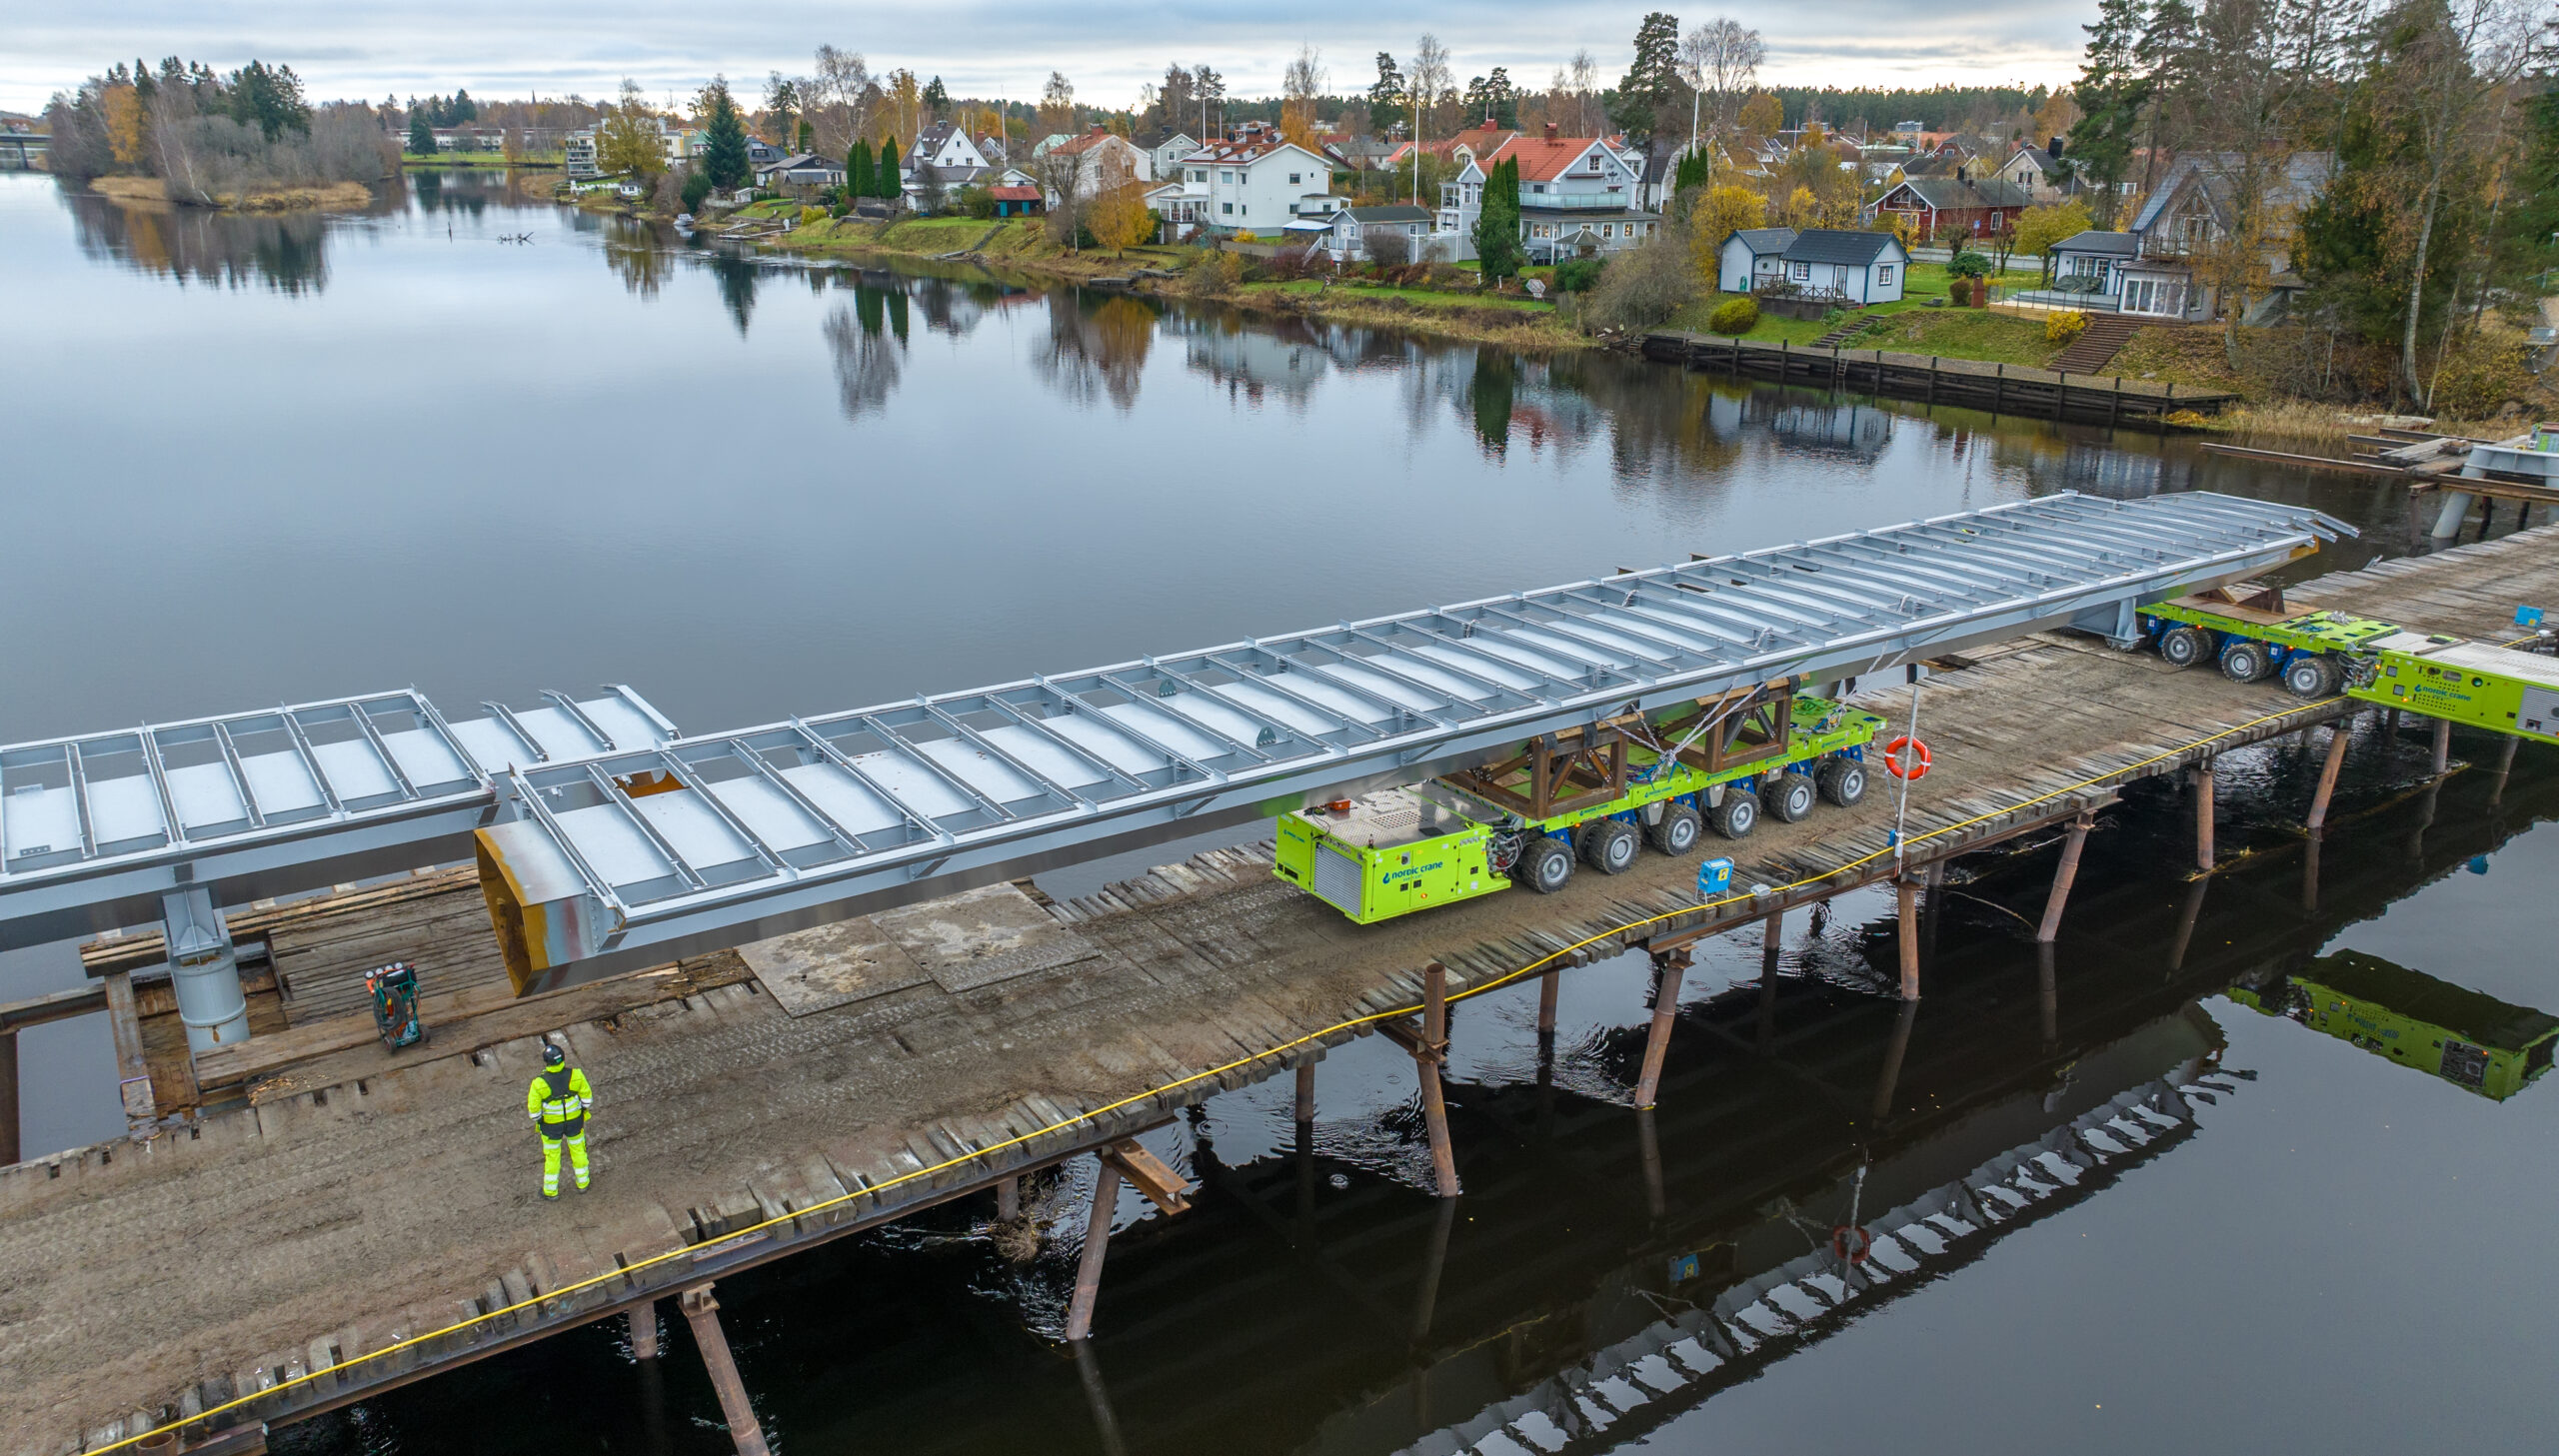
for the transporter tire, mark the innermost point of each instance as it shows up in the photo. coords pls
(1546, 866)
(1736, 817)
(2243, 661)
(1608, 846)
(1678, 833)
(1789, 797)
(2310, 676)
(1844, 782)
(2183, 646)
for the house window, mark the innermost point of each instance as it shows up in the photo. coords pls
(1293, 179)
(1225, 177)
(1800, 271)
(1536, 186)
(1200, 174)
(1226, 207)
(1607, 230)
(1884, 274)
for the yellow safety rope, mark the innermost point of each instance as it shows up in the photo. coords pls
(1353, 1024)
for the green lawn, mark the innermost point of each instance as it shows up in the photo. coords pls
(1911, 325)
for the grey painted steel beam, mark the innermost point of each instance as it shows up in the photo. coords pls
(96, 828)
(1397, 698)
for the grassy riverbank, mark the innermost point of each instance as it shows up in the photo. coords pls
(296, 197)
(1022, 245)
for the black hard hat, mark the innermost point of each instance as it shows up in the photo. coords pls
(552, 1056)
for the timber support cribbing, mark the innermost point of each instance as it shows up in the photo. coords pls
(2006, 389)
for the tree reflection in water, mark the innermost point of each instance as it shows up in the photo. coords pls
(869, 352)
(285, 252)
(1088, 355)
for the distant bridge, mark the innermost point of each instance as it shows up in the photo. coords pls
(21, 151)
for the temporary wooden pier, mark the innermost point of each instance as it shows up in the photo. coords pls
(2003, 389)
(308, 1219)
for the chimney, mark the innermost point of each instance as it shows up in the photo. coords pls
(1551, 131)
(1962, 174)
(2052, 149)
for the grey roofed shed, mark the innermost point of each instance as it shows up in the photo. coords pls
(1766, 242)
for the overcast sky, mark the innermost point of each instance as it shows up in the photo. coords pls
(513, 47)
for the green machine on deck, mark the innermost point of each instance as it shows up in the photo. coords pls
(1593, 798)
(2466, 1037)
(2250, 634)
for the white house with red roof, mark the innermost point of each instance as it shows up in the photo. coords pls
(1578, 196)
(1253, 183)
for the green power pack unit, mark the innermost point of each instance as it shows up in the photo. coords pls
(2466, 682)
(1387, 854)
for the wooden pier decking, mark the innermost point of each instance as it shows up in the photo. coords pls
(348, 1201)
(2003, 389)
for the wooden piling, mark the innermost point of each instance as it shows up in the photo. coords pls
(2202, 777)
(2047, 994)
(1893, 1054)
(1426, 1062)
(2338, 733)
(1771, 950)
(643, 1330)
(2187, 917)
(1008, 1200)
(2496, 791)
(1307, 1090)
(1547, 989)
(1656, 1201)
(2443, 747)
(702, 1311)
(1998, 387)
(1671, 967)
(2062, 877)
(2310, 875)
(1096, 1244)
(1106, 1421)
(1906, 891)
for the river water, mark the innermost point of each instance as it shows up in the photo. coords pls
(481, 445)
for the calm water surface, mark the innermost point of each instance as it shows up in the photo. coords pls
(264, 460)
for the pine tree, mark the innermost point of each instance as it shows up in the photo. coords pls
(1653, 78)
(422, 137)
(858, 181)
(723, 150)
(1498, 248)
(936, 97)
(886, 179)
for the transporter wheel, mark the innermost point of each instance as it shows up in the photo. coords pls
(1736, 817)
(1844, 782)
(1546, 866)
(1790, 799)
(2244, 660)
(2183, 646)
(1608, 846)
(2310, 676)
(1678, 833)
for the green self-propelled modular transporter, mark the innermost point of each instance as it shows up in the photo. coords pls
(1592, 800)
(2248, 631)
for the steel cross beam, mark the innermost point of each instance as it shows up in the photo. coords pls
(1397, 698)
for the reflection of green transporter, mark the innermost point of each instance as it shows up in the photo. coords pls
(2464, 1036)
(1398, 851)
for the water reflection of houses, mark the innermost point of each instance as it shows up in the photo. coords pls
(1850, 428)
(1095, 346)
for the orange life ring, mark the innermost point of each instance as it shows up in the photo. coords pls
(1907, 758)
(1851, 1242)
